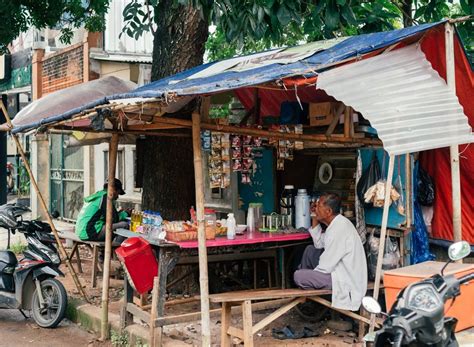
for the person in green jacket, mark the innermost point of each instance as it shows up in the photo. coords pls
(90, 224)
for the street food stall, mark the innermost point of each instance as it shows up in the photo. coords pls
(304, 119)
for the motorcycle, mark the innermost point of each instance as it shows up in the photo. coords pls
(417, 316)
(30, 284)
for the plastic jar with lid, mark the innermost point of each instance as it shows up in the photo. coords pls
(210, 219)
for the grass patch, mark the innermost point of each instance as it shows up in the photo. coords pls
(18, 248)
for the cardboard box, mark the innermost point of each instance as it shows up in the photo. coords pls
(397, 279)
(321, 113)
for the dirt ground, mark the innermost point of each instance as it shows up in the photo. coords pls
(15, 331)
(189, 333)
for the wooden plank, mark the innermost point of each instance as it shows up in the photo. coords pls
(236, 332)
(276, 314)
(267, 294)
(247, 323)
(194, 316)
(138, 312)
(340, 109)
(225, 324)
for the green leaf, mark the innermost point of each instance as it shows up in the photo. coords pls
(331, 16)
(348, 15)
(341, 2)
(284, 16)
(319, 7)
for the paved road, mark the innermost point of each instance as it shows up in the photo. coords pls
(16, 331)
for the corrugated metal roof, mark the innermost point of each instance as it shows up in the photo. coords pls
(404, 98)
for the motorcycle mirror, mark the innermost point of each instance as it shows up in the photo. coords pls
(459, 250)
(371, 305)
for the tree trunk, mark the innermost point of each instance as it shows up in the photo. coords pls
(179, 43)
(406, 6)
(179, 40)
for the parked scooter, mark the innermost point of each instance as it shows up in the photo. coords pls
(417, 316)
(30, 284)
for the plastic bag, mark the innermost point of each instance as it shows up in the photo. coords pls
(426, 190)
(391, 257)
(399, 203)
(369, 177)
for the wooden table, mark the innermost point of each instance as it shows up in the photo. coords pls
(243, 247)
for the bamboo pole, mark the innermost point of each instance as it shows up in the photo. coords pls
(454, 149)
(203, 278)
(104, 327)
(61, 249)
(383, 233)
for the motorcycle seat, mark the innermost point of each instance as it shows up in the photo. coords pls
(7, 258)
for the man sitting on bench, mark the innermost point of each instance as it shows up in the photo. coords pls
(337, 259)
(90, 225)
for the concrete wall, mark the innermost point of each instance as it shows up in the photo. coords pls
(133, 196)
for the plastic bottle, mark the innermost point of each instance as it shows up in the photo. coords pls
(231, 225)
(146, 221)
(251, 220)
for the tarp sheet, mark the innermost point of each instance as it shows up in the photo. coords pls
(181, 84)
(68, 102)
(437, 162)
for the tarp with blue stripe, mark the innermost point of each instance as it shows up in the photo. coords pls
(182, 84)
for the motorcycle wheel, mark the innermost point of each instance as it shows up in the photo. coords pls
(55, 298)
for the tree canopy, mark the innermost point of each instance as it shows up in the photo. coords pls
(242, 26)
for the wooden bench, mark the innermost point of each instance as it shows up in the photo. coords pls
(94, 246)
(245, 299)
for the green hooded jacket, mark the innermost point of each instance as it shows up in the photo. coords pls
(91, 218)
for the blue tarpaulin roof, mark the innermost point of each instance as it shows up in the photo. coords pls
(181, 84)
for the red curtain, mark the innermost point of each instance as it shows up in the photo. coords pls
(437, 162)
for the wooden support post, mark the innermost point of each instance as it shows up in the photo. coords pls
(347, 122)
(247, 323)
(383, 232)
(62, 251)
(95, 270)
(454, 149)
(104, 327)
(202, 250)
(154, 306)
(225, 321)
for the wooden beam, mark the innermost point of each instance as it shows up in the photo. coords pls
(193, 316)
(270, 134)
(113, 146)
(351, 314)
(137, 127)
(340, 109)
(347, 122)
(276, 314)
(236, 332)
(138, 312)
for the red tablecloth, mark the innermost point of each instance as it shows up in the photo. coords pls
(247, 239)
